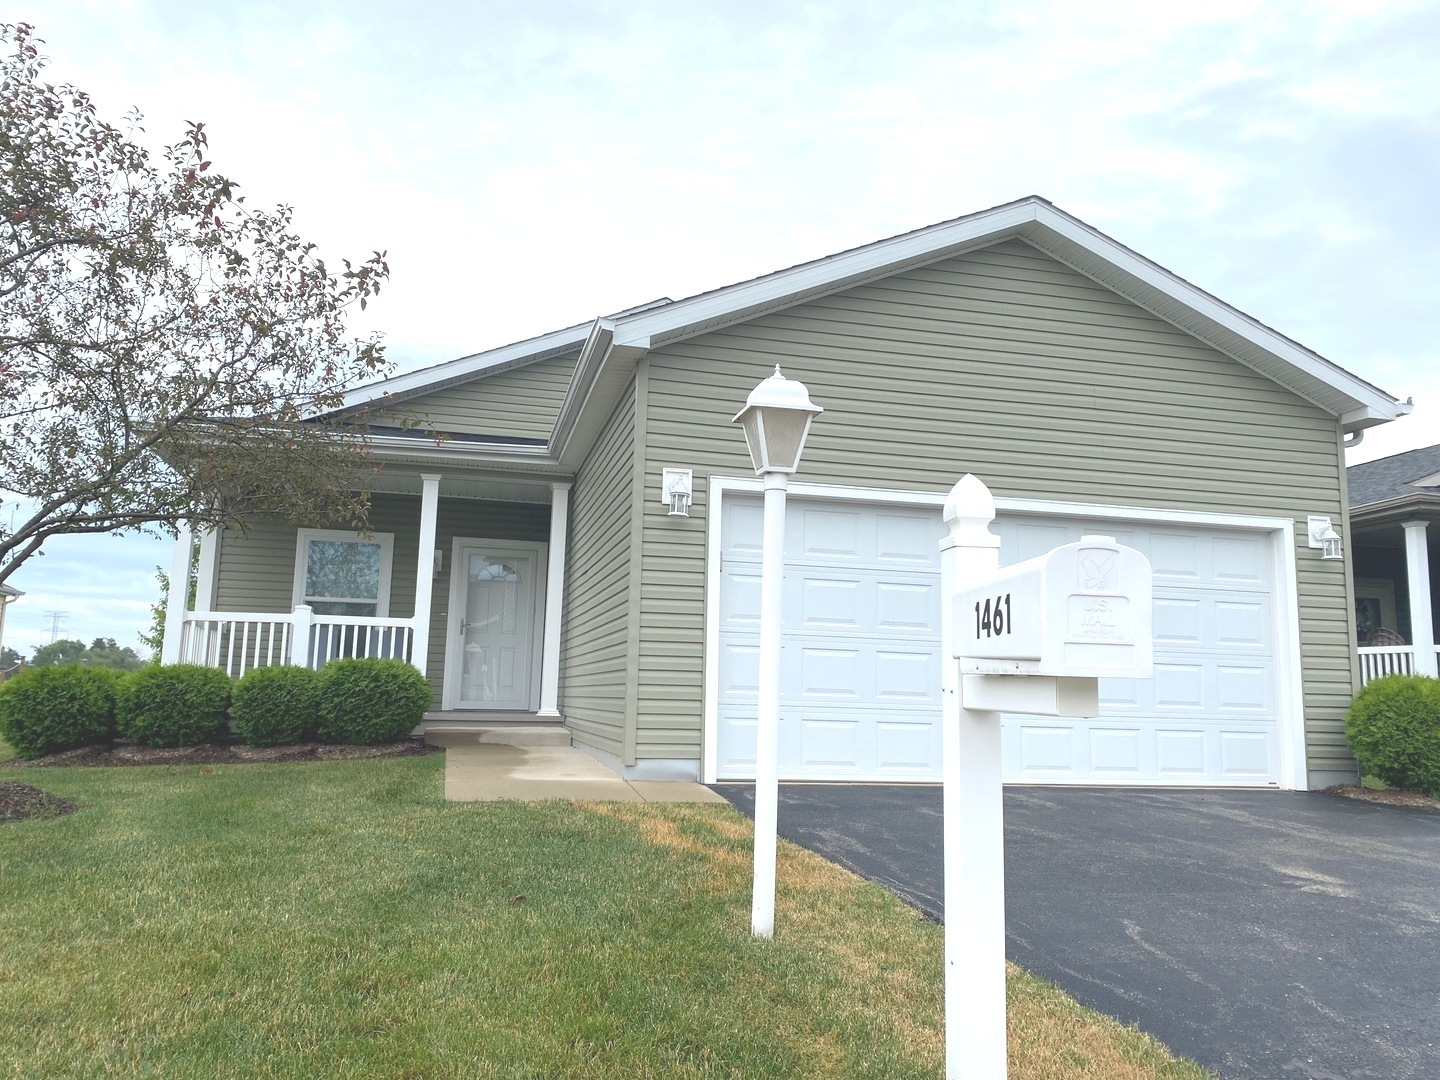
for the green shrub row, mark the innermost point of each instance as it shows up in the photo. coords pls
(46, 710)
(1393, 727)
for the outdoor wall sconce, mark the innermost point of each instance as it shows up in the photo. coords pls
(1324, 537)
(439, 561)
(675, 489)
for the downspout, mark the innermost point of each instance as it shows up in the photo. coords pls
(1354, 438)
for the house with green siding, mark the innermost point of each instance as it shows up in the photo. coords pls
(531, 565)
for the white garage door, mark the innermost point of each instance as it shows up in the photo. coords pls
(861, 670)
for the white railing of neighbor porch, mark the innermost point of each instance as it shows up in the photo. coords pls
(237, 641)
(1376, 661)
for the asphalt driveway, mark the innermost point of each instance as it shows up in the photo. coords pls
(1263, 934)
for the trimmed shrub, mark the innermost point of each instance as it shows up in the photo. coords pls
(371, 700)
(45, 710)
(276, 705)
(1393, 727)
(173, 705)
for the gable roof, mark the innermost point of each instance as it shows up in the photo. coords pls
(1412, 477)
(610, 346)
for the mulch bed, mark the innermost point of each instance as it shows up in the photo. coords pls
(1388, 796)
(20, 801)
(220, 754)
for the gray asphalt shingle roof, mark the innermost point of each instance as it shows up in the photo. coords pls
(1393, 477)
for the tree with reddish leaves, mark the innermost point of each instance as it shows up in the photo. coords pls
(168, 353)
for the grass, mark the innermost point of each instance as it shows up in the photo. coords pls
(339, 918)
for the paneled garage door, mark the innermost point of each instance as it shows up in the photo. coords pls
(861, 670)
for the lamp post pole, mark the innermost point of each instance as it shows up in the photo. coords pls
(776, 419)
(767, 727)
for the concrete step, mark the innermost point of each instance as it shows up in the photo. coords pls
(502, 734)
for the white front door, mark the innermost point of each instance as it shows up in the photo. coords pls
(492, 656)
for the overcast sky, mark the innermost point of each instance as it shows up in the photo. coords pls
(530, 170)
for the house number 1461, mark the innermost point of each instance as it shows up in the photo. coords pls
(993, 618)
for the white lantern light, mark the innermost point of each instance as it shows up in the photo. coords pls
(776, 420)
(1323, 536)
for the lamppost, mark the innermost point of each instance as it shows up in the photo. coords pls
(776, 419)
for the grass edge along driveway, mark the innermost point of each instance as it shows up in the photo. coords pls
(339, 918)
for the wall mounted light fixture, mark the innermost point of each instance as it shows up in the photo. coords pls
(1324, 537)
(676, 486)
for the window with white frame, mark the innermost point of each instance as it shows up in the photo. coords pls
(343, 573)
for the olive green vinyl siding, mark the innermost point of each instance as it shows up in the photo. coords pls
(593, 658)
(521, 403)
(1010, 365)
(257, 571)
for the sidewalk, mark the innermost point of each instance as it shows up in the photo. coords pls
(530, 773)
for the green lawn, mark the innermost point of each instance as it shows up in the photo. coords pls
(340, 919)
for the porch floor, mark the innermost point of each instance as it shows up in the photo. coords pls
(492, 773)
(485, 727)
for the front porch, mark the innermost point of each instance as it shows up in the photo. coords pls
(463, 576)
(1395, 562)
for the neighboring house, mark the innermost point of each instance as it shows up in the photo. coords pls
(1393, 503)
(1093, 391)
(8, 596)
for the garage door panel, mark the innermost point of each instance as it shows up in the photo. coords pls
(861, 667)
(830, 674)
(1178, 621)
(826, 535)
(907, 607)
(907, 677)
(905, 745)
(903, 540)
(1180, 753)
(1116, 753)
(1246, 755)
(828, 603)
(1242, 622)
(1242, 689)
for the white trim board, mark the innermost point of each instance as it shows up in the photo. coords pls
(1289, 689)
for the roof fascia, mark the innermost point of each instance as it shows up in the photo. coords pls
(1397, 507)
(398, 448)
(1372, 405)
(735, 303)
(582, 382)
(469, 367)
(1025, 219)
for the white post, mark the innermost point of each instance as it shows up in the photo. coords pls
(425, 569)
(554, 600)
(974, 816)
(300, 624)
(767, 727)
(207, 571)
(1422, 625)
(179, 599)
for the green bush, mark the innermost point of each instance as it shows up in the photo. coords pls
(276, 705)
(173, 705)
(48, 709)
(1393, 727)
(371, 701)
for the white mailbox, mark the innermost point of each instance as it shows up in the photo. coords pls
(1081, 610)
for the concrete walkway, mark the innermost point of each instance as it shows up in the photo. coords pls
(529, 773)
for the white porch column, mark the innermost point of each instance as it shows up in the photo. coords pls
(554, 600)
(208, 571)
(425, 569)
(1422, 625)
(179, 599)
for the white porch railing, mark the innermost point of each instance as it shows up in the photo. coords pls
(1379, 660)
(237, 641)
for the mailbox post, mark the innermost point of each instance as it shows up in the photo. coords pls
(1033, 638)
